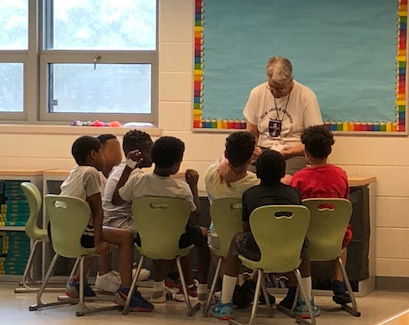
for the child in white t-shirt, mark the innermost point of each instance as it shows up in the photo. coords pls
(167, 154)
(84, 182)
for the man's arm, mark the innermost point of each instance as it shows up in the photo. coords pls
(297, 150)
(252, 128)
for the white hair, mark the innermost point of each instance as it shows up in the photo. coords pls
(279, 69)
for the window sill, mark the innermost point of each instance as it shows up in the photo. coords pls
(75, 130)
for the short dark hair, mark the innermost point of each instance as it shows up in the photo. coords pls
(133, 140)
(318, 141)
(239, 148)
(105, 137)
(167, 151)
(82, 147)
(270, 167)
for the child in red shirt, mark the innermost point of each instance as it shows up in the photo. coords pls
(326, 181)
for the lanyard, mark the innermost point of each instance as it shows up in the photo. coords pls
(285, 108)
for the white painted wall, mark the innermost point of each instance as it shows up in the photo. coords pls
(384, 157)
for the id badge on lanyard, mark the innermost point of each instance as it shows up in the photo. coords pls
(274, 128)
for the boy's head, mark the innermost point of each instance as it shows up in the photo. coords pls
(87, 151)
(111, 149)
(318, 141)
(239, 148)
(167, 154)
(138, 140)
(270, 167)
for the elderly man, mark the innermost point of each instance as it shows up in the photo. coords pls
(279, 110)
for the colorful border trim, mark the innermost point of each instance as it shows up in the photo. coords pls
(399, 125)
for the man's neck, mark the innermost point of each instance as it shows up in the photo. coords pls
(238, 173)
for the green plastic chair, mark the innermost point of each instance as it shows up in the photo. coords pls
(279, 231)
(69, 217)
(226, 217)
(36, 234)
(160, 221)
(329, 219)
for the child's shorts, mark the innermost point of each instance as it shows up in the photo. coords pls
(246, 246)
(192, 236)
(87, 241)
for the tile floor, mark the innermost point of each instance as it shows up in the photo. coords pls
(375, 308)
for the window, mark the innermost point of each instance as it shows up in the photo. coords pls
(13, 57)
(79, 59)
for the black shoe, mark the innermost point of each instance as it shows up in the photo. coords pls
(342, 299)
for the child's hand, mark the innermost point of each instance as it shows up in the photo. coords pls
(225, 173)
(102, 247)
(135, 155)
(191, 177)
(205, 231)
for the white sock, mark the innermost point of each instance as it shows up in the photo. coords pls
(229, 283)
(307, 283)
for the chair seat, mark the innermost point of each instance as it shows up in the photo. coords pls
(40, 234)
(267, 268)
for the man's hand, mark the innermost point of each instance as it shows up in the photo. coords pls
(256, 153)
(192, 177)
(287, 152)
(102, 247)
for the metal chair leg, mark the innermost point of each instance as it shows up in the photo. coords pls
(305, 297)
(75, 267)
(27, 271)
(354, 310)
(190, 310)
(266, 297)
(39, 303)
(211, 293)
(132, 288)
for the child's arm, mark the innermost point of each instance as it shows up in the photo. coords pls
(192, 177)
(95, 204)
(133, 156)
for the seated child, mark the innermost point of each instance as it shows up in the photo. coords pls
(326, 181)
(270, 167)
(121, 216)
(84, 182)
(238, 153)
(167, 154)
(111, 151)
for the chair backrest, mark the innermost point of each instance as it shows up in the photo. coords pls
(329, 220)
(226, 217)
(33, 197)
(279, 231)
(160, 221)
(69, 217)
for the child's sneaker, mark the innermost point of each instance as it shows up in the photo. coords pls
(222, 311)
(159, 297)
(109, 282)
(138, 303)
(301, 310)
(191, 291)
(73, 288)
(342, 299)
(144, 274)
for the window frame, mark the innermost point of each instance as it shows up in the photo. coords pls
(36, 60)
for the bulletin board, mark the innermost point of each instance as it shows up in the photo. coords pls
(352, 53)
